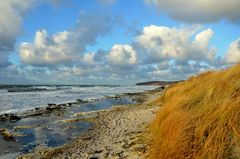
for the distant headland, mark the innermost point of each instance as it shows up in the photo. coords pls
(157, 83)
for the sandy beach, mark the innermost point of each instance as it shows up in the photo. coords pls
(116, 133)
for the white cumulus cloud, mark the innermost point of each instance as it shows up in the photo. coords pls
(203, 38)
(233, 54)
(122, 56)
(159, 43)
(68, 46)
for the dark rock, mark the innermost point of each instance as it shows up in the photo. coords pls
(132, 94)
(70, 104)
(7, 136)
(159, 89)
(64, 105)
(10, 117)
(33, 114)
(51, 104)
(43, 111)
(117, 97)
(14, 118)
(51, 108)
(80, 101)
(98, 151)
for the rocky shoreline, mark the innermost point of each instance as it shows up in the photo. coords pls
(52, 107)
(39, 111)
(116, 133)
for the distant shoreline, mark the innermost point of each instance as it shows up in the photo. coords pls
(157, 83)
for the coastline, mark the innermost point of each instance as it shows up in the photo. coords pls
(116, 133)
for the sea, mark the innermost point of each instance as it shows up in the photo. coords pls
(19, 98)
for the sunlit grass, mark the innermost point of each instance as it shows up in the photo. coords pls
(199, 118)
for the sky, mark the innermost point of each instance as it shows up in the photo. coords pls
(115, 41)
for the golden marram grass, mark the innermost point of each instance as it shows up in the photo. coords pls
(199, 118)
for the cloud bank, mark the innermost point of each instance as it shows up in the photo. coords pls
(200, 11)
(157, 53)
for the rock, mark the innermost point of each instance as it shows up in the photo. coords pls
(116, 97)
(10, 117)
(37, 109)
(41, 111)
(32, 113)
(9, 136)
(2, 129)
(70, 104)
(6, 135)
(23, 127)
(81, 101)
(53, 107)
(159, 89)
(62, 105)
(98, 151)
(51, 104)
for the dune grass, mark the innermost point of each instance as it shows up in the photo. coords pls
(199, 118)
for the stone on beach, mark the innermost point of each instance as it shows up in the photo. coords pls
(9, 135)
(10, 117)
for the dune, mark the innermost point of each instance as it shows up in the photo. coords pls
(199, 118)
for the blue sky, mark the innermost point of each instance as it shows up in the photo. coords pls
(115, 41)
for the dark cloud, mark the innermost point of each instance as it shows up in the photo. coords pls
(158, 41)
(238, 44)
(4, 60)
(200, 11)
(11, 17)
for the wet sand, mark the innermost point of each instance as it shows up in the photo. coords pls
(118, 132)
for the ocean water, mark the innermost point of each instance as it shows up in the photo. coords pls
(20, 98)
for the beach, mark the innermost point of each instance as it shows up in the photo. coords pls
(118, 132)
